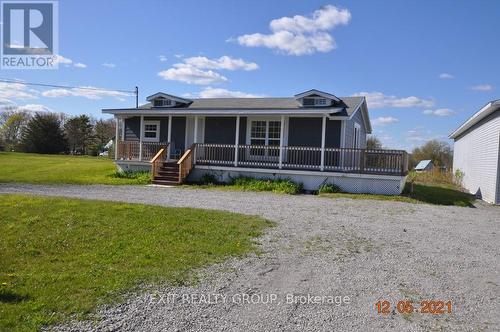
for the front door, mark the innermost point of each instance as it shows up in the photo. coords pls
(265, 133)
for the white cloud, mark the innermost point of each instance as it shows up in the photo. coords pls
(192, 75)
(33, 108)
(446, 76)
(383, 120)
(439, 112)
(380, 100)
(162, 58)
(16, 91)
(223, 93)
(59, 59)
(224, 62)
(299, 35)
(108, 65)
(482, 87)
(85, 92)
(199, 70)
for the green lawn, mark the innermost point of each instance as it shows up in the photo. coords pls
(61, 258)
(39, 168)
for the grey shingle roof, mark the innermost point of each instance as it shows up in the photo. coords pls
(349, 103)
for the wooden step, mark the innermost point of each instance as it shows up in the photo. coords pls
(168, 173)
(166, 182)
(170, 168)
(167, 177)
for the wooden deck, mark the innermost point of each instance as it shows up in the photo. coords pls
(365, 161)
(348, 160)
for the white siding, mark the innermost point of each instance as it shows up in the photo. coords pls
(476, 153)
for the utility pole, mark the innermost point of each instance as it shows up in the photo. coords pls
(136, 97)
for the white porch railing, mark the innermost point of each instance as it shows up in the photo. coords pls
(370, 161)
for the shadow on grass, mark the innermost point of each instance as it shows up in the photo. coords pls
(438, 195)
(10, 297)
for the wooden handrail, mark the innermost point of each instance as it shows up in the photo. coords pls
(184, 156)
(186, 163)
(157, 155)
(159, 158)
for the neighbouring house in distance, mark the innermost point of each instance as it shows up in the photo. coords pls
(477, 153)
(424, 166)
(313, 138)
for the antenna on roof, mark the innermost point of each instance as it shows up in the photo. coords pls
(136, 97)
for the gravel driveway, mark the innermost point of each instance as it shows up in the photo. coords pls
(361, 250)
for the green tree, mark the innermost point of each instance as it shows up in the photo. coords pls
(439, 152)
(80, 133)
(104, 131)
(43, 134)
(373, 142)
(11, 129)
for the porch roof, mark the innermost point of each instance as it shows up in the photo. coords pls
(242, 106)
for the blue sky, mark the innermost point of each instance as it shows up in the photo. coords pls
(425, 66)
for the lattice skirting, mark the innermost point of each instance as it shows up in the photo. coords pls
(348, 182)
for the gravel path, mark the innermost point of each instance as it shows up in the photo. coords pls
(361, 249)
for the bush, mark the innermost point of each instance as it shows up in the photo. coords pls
(282, 186)
(142, 176)
(328, 188)
(208, 179)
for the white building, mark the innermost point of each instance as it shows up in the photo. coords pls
(477, 152)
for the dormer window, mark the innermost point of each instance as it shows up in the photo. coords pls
(312, 102)
(316, 98)
(160, 102)
(308, 102)
(320, 101)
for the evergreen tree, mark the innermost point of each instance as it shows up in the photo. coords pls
(43, 134)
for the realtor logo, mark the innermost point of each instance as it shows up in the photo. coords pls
(29, 34)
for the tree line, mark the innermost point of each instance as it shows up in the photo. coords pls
(45, 132)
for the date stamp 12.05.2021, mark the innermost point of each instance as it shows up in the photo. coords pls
(434, 307)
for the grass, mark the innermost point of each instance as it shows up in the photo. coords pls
(60, 258)
(60, 169)
(279, 186)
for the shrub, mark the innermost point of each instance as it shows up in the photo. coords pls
(208, 179)
(459, 177)
(141, 176)
(282, 186)
(328, 188)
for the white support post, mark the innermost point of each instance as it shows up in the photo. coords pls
(195, 138)
(123, 129)
(169, 138)
(323, 136)
(140, 138)
(282, 131)
(117, 124)
(236, 141)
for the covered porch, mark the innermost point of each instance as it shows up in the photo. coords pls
(314, 144)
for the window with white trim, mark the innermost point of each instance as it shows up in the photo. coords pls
(151, 131)
(265, 132)
(320, 102)
(161, 102)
